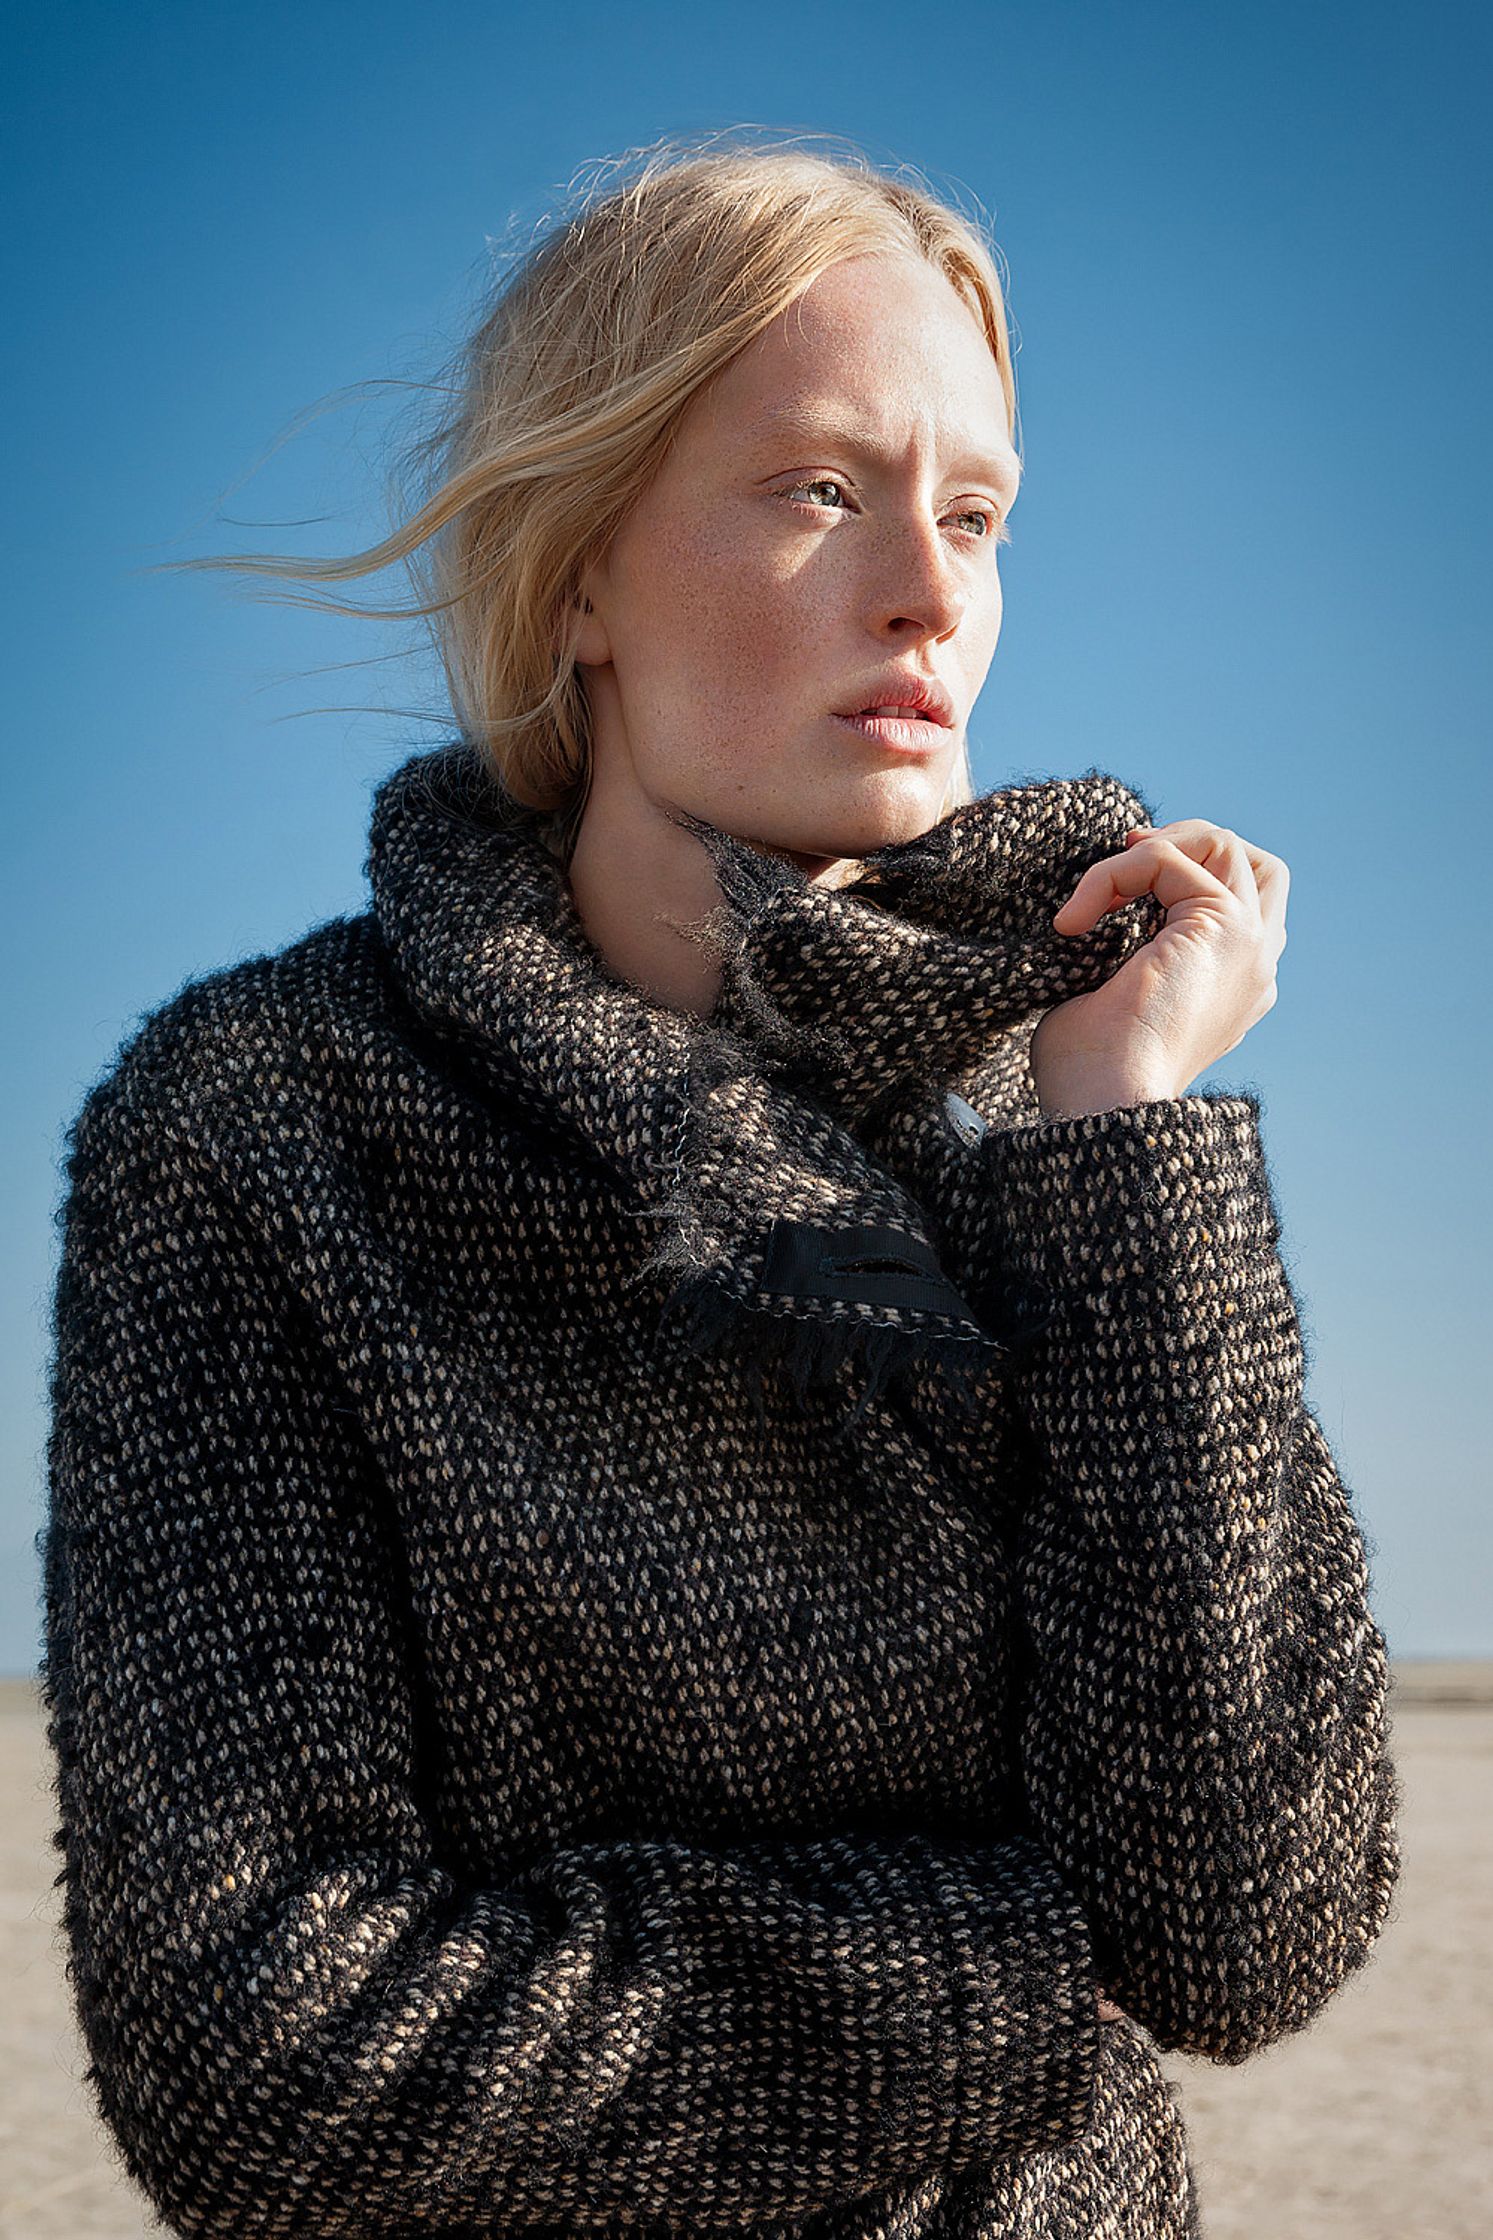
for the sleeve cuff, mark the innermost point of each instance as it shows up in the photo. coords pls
(1174, 1184)
(1021, 1967)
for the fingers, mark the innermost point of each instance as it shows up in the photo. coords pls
(1271, 875)
(1215, 847)
(1274, 884)
(1153, 865)
(1181, 861)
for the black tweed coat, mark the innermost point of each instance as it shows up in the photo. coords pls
(639, 1608)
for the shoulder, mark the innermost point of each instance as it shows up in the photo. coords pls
(276, 1028)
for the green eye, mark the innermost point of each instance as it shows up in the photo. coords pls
(823, 482)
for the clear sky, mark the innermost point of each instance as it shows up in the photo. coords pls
(1249, 265)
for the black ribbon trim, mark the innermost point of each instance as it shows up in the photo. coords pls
(873, 1266)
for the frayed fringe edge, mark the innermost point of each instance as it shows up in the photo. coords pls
(812, 1352)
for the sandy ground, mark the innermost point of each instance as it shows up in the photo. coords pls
(1377, 2121)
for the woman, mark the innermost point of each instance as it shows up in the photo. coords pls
(688, 1585)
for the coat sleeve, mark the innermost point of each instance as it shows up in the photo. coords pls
(1204, 1735)
(299, 2019)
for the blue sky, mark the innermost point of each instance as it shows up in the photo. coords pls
(1249, 266)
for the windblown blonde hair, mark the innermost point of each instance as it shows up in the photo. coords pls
(561, 403)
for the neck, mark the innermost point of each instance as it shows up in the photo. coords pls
(641, 885)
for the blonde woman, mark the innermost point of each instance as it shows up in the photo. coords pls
(688, 1585)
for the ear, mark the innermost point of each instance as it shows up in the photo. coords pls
(593, 648)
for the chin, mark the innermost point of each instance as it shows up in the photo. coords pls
(832, 834)
(903, 815)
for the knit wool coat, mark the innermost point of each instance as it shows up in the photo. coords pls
(639, 1608)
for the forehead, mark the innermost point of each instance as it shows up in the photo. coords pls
(879, 351)
(962, 446)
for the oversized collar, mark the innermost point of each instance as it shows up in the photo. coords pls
(753, 1144)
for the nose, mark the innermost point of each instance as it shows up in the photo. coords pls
(919, 585)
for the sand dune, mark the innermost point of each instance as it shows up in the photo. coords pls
(1376, 2122)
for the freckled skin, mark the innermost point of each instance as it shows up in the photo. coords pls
(730, 620)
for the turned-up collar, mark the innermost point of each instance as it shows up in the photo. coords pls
(738, 1139)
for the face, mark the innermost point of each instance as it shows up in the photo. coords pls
(826, 523)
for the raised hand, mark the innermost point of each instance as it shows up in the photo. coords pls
(1186, 996)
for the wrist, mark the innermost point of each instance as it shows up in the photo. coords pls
(1068, 1096)
(1073, 1078)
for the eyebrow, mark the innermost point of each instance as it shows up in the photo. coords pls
(818, 425)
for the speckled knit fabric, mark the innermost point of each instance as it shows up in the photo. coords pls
(639, 1608)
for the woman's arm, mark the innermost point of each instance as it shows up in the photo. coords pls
(300, 2021)
(1204, 1734)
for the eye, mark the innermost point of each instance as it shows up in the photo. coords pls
(825, 482)
(994, 531)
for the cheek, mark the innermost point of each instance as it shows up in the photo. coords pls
(746, 617)
(989, 616)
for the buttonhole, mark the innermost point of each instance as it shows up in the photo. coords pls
(877, 1265)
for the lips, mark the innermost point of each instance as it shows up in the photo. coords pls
(901, 696)
(906, 734)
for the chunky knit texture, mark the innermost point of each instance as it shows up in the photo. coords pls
(639, 1608)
